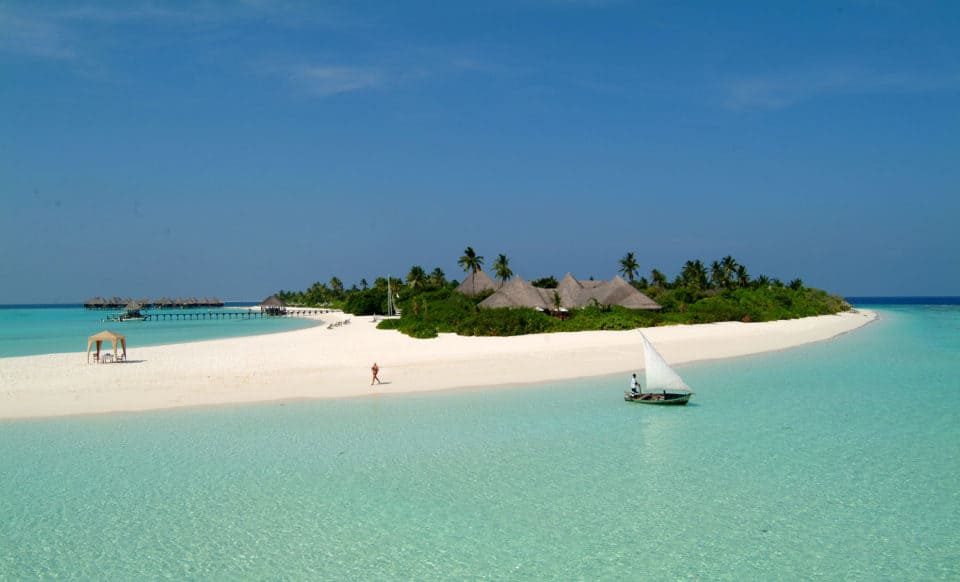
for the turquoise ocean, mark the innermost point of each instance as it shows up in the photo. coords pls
(27, 330)
(838, 460)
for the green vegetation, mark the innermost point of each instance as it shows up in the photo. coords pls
(501, 267)
(546, 282)
(629, 267)
(430, 305)
(470, 260)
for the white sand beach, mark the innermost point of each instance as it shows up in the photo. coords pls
(320, 362)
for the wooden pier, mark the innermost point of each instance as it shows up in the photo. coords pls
(214, 315)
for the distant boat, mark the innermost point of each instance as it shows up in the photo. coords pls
(663, 384)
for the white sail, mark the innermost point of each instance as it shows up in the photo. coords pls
(658, 374)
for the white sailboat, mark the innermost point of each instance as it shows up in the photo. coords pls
(663, 384)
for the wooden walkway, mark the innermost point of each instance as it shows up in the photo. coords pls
(213, 315)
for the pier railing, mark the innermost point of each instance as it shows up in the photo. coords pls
(214, 315)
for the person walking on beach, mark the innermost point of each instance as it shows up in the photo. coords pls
(376, 370)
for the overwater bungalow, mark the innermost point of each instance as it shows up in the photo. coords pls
(95, 303)
(132, 310)
(145, 303)
(273, 306)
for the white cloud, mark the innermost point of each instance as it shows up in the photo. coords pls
(324, 80)
(35, 37)
(787, 89)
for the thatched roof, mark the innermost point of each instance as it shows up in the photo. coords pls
(518, 293)
(273, 301)
(570, 291)
(573, 294)
(619, 292)
(476, 283)
(133, 306)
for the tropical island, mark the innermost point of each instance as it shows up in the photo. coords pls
(507, 305)
(549, 330)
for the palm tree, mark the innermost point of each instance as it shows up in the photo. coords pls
(471, 261)
(717, 275)
(658, 279)
(363, 284)
(438, 278)
(743, 278)
(416, 278)
(501, 267)
(694, 274)
(629, 266)
(796, 284)
(729, 265)
(336, 286)
(761, 282)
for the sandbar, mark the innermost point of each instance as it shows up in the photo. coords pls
(334, 362)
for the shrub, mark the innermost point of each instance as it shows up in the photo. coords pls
(367, 302)
(444, 311)
(420, 330)
(389, 324)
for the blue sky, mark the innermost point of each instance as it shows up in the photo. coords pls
(233, 149)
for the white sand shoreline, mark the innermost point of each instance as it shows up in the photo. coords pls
(318, 362)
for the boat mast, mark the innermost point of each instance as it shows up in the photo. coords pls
(389, 298)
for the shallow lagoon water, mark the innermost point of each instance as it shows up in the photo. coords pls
(838, 460)
(50, 329)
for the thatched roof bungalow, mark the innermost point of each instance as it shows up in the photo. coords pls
(519, 293)
(572, 293)
(273, 306)
(476, 283)
(95, 303)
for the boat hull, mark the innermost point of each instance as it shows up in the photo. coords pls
(667, 399)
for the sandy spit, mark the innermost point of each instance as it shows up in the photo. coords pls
(325, 362)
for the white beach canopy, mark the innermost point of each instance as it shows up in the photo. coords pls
(107, 335)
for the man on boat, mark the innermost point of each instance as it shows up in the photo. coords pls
(635, 388)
